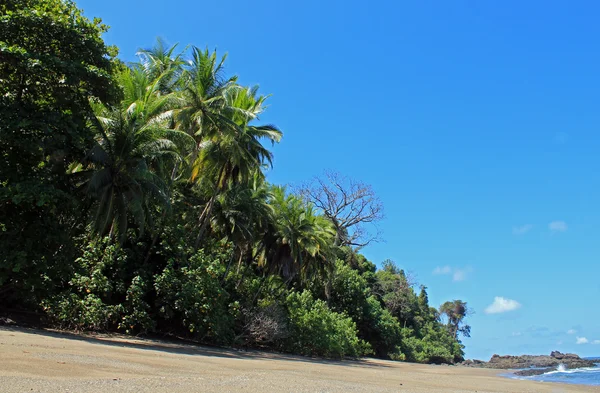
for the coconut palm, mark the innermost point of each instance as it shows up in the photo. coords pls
(299, 241)
(235, 155)
(202, 103)
(125, 170)
(162, 63)
(242, 214)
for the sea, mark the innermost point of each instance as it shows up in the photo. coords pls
(580, 376)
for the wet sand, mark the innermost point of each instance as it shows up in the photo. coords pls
(46, 361)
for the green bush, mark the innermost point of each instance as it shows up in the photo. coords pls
(350, 294)
(137, 316)
(86, 312)
(85, 303)
(384, 330)
(190, 297)
(436, 346)
(319, 331)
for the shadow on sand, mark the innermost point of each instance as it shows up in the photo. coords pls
(180, 347)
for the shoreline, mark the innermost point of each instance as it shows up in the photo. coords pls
(48, 361)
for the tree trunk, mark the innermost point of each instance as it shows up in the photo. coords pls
(154, 240)
(163, 218)
(249, 259)
(204, 219)
(259, 288)
(227, 270)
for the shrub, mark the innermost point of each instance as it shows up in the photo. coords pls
(190, 297)
(137, 317)
(316, 330)
(85, 304)
(383, 329)
(87, 312)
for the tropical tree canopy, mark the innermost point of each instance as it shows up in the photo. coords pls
(135, 198)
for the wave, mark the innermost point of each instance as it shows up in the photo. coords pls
(580, 376)
(564, 370)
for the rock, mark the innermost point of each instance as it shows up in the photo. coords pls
(472, 363)
(534, 371)
(506, 362)
(560, 356)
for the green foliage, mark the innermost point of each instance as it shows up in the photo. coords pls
(52, 60)
(433, 345)
(300, 240)
(133, 198)
(319, 331)
(455, 313)
(86, 304)
(138, 312)
(192, 299)
(87, 312)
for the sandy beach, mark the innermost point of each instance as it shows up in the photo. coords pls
(46, 361)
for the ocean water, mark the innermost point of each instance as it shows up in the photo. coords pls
(581, 376)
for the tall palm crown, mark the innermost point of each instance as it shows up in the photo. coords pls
(124, 169)
(161, 62)
(202, 95)
(299, 240)
(238, 152)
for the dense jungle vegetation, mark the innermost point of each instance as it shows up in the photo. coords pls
(133, 198)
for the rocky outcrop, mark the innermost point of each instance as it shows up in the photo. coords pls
(560, 356)
(534, 371)
(569, 360)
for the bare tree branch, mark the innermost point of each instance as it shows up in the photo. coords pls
(351, 205)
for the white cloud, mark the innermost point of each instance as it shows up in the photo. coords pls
(596, 342)
(458, 274)
(523, 229)
(442, 270)
(516, 334)
(501, 305)
(581, 340)
(559, 342)
(558, 226)
(571, 331)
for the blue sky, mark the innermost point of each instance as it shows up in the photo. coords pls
(476, 122)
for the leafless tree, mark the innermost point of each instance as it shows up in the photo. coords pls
(351, 205)
(266, 325)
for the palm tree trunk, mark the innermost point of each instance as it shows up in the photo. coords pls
(227, 270)
(204, 219)
(259, 288)
(249, 262)
(163, 218)
(155, 239)
(204, 216)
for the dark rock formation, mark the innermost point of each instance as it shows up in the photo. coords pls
(569, 360)
(534, 371)
(559, 356)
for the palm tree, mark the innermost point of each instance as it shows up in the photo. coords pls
(299, 241)
(161, 62)
(242, 214)
(124, 171)
(202, 103)
(237, 153)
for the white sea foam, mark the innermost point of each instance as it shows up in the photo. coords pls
(561, 369)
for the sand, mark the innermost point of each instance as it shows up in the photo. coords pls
(46, 361)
